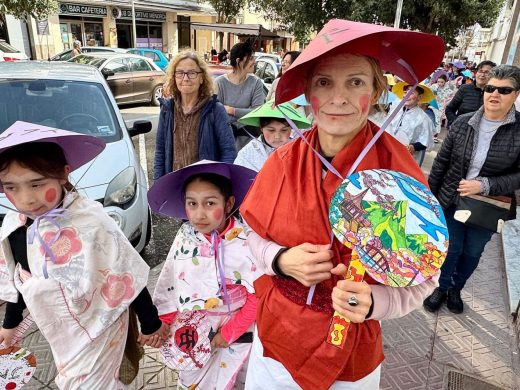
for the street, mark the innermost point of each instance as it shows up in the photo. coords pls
(164, 229)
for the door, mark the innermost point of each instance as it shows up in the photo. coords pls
(120, 83)
(184, 31)
(124, 36)
(143, 77)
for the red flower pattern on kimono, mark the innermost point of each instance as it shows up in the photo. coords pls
(117, 288)
(67, 245)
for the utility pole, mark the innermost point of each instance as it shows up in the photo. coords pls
(397, 20)
(133, 25)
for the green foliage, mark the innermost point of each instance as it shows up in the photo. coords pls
(445, 17)
(226, 9)
(22, 9)
(389, 225)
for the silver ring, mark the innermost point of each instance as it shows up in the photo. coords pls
(353, 301)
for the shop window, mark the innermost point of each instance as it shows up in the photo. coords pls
(94, 34)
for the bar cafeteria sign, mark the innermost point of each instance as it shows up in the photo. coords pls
(84, 10)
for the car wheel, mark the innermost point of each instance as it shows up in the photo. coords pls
(156, 94)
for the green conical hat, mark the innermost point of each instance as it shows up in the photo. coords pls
(267, 111)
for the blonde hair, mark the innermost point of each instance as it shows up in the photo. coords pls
(170, 87)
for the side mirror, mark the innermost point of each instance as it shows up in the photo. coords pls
(107, 73)
(140, 127)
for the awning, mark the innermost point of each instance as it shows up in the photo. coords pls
(238, 29)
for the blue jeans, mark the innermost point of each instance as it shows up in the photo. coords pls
(466, 246)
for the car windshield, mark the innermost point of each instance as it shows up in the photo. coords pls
(7, 48)
(85, 59)
(82, 107)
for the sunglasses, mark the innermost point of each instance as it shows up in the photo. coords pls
(501, 90)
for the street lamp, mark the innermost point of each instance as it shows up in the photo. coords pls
(133, 25)
(397, 20)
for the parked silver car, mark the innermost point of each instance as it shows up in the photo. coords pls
(77, 98)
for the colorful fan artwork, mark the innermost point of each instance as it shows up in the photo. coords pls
(188, 347)
(17, 366)
(393, 224)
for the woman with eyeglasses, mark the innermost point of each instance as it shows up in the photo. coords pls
(287, 60)
(491, 165)
(193, 124)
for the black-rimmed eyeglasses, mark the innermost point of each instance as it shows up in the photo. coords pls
(501, 90)
(192, 74)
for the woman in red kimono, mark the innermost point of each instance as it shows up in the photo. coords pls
(287, 207)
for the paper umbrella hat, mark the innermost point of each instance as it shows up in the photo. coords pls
(78, 148)
(267, 111)
(426, 97)
(166, 196)
(393, 224)
(410, 55)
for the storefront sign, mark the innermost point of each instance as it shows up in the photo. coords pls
(126, 13)
(83, 10)
(43, 27)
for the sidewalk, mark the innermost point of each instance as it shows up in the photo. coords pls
(423, 350)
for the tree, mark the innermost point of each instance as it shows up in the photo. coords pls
(226, 11)
(443, 17)
(23, 9)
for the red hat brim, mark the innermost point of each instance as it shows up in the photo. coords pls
(408, 54)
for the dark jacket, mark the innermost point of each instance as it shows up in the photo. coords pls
(216, 141)
(501, 168)
(469, 98)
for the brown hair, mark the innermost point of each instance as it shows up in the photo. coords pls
(379, 82)
(170, 87)
(45, 158)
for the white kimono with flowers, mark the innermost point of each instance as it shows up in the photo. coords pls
(190, 280)
(81, 308)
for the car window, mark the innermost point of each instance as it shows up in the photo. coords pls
(63, 56)
(139, 65)
(82, 107)
(7, 48)
(151, 55)
(269, 73)
(86, 59)
(134, 52)
(118, 65)
(259, 68)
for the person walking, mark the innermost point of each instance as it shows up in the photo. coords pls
(480, 156)
(469, 96)
(340, 72)
(193, 124)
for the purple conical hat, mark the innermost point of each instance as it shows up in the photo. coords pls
(166, 195)
(78, 148)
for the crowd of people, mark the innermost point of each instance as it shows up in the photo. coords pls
(251, 177)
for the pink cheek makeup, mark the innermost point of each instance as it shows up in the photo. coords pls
(218, 214)
(50, 195)
(364, 103)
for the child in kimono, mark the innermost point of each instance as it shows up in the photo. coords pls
(275, 132)
(63, 258)
(209, 269)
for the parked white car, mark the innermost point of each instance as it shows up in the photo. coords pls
(77, 98)
(10, 53)
(267, 70)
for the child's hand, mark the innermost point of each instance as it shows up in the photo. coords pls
(155, 339)
(218, 341)
(6, 336)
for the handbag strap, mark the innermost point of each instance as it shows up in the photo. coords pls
(464, 154)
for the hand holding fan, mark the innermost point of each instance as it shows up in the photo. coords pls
(395, 228)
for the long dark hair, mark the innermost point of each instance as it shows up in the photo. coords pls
(45, 158)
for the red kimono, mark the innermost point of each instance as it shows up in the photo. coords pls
(288, 203)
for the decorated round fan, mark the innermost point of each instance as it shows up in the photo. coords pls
(17, 366)
(393, 224)
(188, 347)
